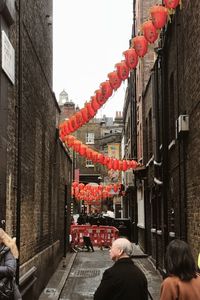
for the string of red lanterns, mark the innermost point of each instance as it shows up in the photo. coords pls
(159, 16)
(94, 194)
(96, 157)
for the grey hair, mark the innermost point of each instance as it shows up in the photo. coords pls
(124, 245)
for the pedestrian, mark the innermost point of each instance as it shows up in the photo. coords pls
(81, 220)
(124, 280)
(182, 282)
(87, 240)
(8, 256)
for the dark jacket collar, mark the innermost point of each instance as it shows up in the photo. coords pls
(126, 260)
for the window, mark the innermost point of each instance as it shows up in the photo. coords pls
(89, 164)
(90, 138)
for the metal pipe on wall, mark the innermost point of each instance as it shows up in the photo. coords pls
(181, 147)
(19, 137)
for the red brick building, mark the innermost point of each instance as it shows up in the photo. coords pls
(35, 173)
(170, 142)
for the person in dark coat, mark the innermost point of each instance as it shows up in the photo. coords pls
(87, 240)
(124, 280)
(8, 263)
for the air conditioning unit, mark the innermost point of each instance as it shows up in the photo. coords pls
(183, 124)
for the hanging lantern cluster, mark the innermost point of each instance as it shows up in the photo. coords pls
(94, 194)
(96, 157)
(159, 15)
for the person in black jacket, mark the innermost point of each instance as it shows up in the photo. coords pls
(124, 280)
(8, 255)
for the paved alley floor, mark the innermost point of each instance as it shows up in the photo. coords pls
(85, 275)
(78, 276)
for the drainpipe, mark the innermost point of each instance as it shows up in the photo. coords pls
(164, 139)
(181, 151)
(156, 120)
(133, 99)
(134, 127)
(19, 137)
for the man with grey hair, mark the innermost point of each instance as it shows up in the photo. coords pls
(124, 280)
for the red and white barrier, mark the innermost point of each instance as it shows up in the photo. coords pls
(99, 235)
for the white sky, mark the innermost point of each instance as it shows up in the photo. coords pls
(89, 39)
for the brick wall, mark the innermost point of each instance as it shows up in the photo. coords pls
(183, 158)
(46, 170)
(190, 92)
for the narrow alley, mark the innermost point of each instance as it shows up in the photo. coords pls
(99, 139)
(78, 276)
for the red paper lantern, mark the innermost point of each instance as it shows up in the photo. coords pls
(115, 188)
(122, 70)
(69, 126)
(62, 137)
(94, 156)
(108, 188)
(91, 155)
(171, 4)
(105, 195)
(140, 44)
(115, 164)
(72, 124)
(110, 164)
(88, 153)
(91, 111)
(70, 139)
(82, 150)
(100, 187)
(106, 89)
(100, 98)
(114, 79)
(133, 164)
(150, 32)
(120, 165)
(159, 15)
(106, 160)
(74, 184)
(124, 165)
(85, 114)
(100, 158)
(94, 103)
(131, 58)
(79, 119)
(64, 130)
(81, 186)
(76, 145)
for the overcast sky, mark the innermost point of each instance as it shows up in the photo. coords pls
(89, 39)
